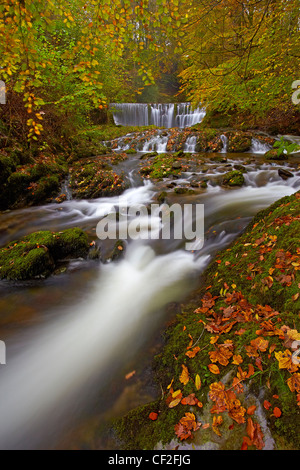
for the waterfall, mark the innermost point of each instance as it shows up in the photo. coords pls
(190, 144)
(157, 143)
(162, 115)
(224, 142)
(259, 147)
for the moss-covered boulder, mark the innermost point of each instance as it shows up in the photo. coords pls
(37, 254)
(233, 178)
(31, 184)
(162, 166)
(239, 142)
(208, 140)
(275, 154)
(96, 179)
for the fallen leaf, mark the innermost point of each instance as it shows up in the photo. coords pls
(267, 404)
(197, 382)
(192, 352)
(184, 377)
(214, 369)
(153, 416)
(217, 421)
(130, 374)
(276, 412)
(251, 410)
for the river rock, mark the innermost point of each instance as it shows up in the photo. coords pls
(233, 178)
(37, 255)
(176, 165)
(285, 174)
(275, 154)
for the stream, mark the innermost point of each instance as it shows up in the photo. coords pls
(72, 338)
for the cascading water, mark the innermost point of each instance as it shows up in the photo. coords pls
(259, 147)
(161, 115)
(190, 144)
(60, 366)
(224, 142)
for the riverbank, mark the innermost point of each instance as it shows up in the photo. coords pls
(226, 371)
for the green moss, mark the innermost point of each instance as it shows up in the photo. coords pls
(239, 142)
(37, 253)
(95, 179)
(275, 154)
(7, 166)
(162, 166)
(130, 151)
(233, 178)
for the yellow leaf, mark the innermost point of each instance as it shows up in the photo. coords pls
(184, 377)
(197, 382)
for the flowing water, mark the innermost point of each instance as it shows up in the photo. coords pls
(72, 337)
(161, 115)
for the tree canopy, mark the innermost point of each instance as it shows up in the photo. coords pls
(75, 56)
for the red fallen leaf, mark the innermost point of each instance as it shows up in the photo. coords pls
(275, 396)
(255, 433)
(246, 442)
(153, 416)
(251, 410)
(267, 404)
(276, 412)
(231, 426)
(250, 370)
(240, 331)
(258, 363)
(190, 400)
(218, 261)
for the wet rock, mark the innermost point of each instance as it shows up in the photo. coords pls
(239, 142)
(285, 174)
(275, 154)
(176, 165)
(161, 197)
(148, 155)
(37, 255)
(233, 178)
(184, 191)
(218, 159)
(112, 253)
(240, 168)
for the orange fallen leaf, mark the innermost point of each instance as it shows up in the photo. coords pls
(130, 374)
(153, 416)
(267, 404)
(214, 369)
(251, 410)
(184, 377)
(217, 421)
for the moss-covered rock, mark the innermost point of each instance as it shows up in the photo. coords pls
(95, 179)
(275, 154)
(239, 142)
(36, 254)
(233, 178)
(30, 184)
(162, 166)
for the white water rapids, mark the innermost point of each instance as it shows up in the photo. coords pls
(51, 374)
